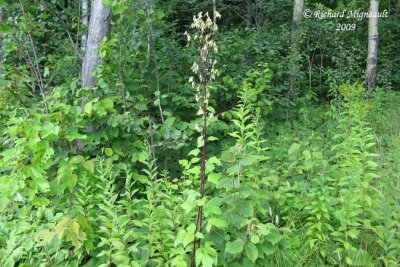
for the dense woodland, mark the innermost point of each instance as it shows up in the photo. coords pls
(199, 133)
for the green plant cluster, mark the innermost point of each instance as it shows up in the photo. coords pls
(308, 179)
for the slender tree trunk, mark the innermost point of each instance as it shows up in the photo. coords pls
(295, 42)
(85, 20)
(99, 27)
(397, 3)
(370, 78)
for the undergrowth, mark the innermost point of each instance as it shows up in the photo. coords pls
(321, 190)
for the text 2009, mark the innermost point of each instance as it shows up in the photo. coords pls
(346, 27)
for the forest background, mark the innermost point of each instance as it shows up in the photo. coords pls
(199, 133)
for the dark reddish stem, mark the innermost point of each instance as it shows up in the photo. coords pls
(199, 220)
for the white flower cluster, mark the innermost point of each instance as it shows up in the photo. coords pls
(204, 69)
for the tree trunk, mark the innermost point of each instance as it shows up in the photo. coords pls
(295, 42)
(370, 79)
(84, 23)
(398, 3)
(99, 27)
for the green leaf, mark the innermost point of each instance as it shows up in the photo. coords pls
(255, 239)
(5, 29)
(160, 15)
(76, 159)
(46, 72)
(227, 156)
(268, 248)
(211, 208)
(214, 178)
(187, 239)
(293, 148)
(88, 107)
(251, 252)
(274, 237)
(39, 183)
(248, 160)
(40, 201)
(200, 141)
(194, 152)
(214, 160)
(227, 183)
(306, 154)
(109, 152)
(216, 222)
(140, 106)
(89, 166)
(234, 247)
(107, 103)
(353, 233)
(245, 209)
(368, 200)
(204, 258)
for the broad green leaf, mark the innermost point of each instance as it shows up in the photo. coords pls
(245, 209)
(108, 151)
(107, 103)
(214, 160)
(274, 237)
(88, 108)
(89, 165)
(293, 148)
(227, 156)
(306, 154)
(194, 152)
(204, 259)
(214, 178)
(353, 233)
(210, 208)
(268, 248)
(251, 251)
(234, 247)
(255, 239)
(187, 239)
(227, 183)
(140, 106)
(248, 160)
(216, 222)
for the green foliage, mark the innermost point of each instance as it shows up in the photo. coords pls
(309, 179)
